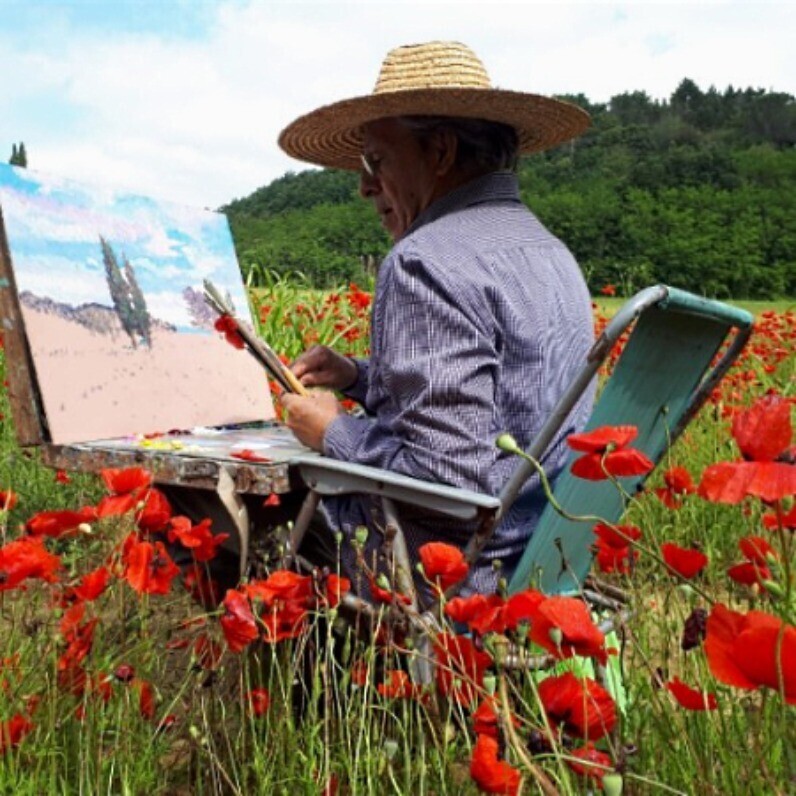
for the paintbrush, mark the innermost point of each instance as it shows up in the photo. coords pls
(256, 346)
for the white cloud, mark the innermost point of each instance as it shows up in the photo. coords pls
(196, 119)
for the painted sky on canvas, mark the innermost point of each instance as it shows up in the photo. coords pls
(184, 99)
(53, 226)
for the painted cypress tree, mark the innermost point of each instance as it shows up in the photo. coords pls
(141, 319)
(119, 290)
(19, 157)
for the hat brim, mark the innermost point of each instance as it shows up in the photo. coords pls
(331, 136)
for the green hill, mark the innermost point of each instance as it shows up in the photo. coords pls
(698, 191)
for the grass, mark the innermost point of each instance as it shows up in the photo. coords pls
(149, 698)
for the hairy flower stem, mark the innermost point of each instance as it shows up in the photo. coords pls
(510, 732)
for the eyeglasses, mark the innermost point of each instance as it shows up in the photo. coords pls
(370, 166)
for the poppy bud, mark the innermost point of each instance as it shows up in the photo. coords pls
(507, 443)
(361, 535)
(490, 683)
(613, 784)
(772, 587)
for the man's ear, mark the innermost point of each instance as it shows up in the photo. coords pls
(446, 146)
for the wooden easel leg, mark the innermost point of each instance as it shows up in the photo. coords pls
(239, 514)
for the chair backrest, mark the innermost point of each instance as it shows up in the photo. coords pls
(667, 369)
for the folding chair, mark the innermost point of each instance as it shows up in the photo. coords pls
(669, 366)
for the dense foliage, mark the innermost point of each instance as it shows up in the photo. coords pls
(696, 191)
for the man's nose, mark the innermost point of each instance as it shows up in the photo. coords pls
(368, 185)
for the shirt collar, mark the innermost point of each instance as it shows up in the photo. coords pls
(497, 186)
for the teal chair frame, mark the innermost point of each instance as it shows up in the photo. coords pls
(670, 364)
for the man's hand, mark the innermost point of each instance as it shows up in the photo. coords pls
(320, 366)
(308, 416)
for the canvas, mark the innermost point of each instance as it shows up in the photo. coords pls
(109, 286)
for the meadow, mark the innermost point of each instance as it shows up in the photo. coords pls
(119, 676)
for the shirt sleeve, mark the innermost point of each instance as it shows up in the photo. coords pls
(433, 377)
(359, 389)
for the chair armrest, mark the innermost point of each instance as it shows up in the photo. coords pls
(333, 477)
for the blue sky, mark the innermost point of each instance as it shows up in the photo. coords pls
(184, 99)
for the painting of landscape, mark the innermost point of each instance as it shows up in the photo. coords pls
(110, 290)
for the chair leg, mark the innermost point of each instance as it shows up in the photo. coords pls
(397, 554)
(299, 529)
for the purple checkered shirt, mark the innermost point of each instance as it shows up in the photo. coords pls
(480, 320)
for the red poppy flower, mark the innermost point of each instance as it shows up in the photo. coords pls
(335, 588)
(153, 511)
(618, 536)
(398, 685)
(62, 477)
(757, 549)
(460, 667)
(764, 430)
(26, 558)
(148, 566)
(8, 500)
(13, 730)
(491, 774)
(608, 290)
(602, 439)
(678, 483)
(731, 482)
(522, 607)
(116, 505)
(146, 698)
(618, 464)
(486, 719)
(92, 584)
(763, 434)
(282, 586)
(580, 706)
(259, 700)
(685, 562)
(480, 612)
(563, 626)
(606, 454)
(272, 500)
(777, 519)
(752, 650)
(691, 698)
(124, 481)
(229, 327)
(357, 298)
(591, 762)
(285, 621)
(749, 573)
(56, 524)
(614, 559)
(238, 622)
(71, 620)
(197, 538)
(443, 564)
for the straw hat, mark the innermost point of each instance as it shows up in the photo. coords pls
(439, 78)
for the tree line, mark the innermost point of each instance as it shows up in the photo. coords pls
(697, 191)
